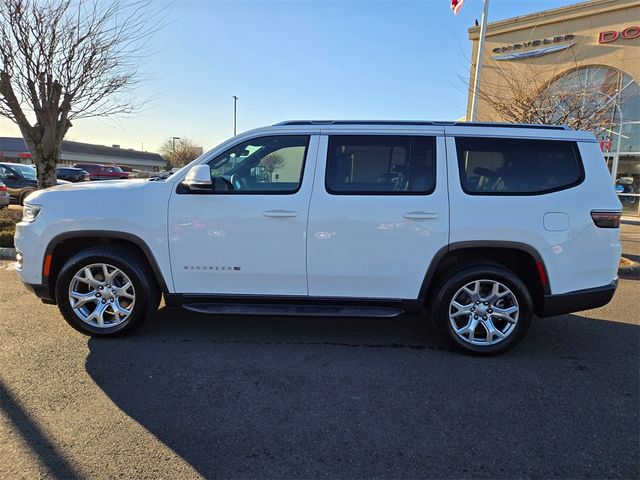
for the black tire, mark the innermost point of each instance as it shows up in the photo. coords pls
(449, 286)
(130, 262)
(23, 196)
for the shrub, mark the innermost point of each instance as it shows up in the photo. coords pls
(6, 238)
(8, 220)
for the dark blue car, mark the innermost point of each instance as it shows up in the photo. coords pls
(20, 180)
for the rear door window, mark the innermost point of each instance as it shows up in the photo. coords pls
(508, 166)
(380, 165)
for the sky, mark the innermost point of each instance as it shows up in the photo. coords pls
(297, 59)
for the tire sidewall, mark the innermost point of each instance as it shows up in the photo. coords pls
(140, 285)
(23, 196)
(440, 310)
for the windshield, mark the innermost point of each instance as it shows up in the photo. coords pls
(27, 171)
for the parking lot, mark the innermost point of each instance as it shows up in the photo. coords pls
(190, 395)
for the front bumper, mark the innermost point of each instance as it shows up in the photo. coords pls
(43, 292)
(577, 301)
(5, 200)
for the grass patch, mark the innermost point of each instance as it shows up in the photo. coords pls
(8, 219)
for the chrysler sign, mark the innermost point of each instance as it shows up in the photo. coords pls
(522, 50)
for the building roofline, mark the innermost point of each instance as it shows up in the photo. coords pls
(551, 15)
(70, 147)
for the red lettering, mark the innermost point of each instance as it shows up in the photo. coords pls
(631, 32)
(606, 37)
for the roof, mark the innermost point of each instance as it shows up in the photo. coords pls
(90, 149)
(9, 144)
(420, 123)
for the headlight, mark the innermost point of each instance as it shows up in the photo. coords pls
(30, 212)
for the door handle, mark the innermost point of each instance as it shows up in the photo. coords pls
(280, 213)
(420, 215)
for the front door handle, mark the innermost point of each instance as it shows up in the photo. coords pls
(420, 215)
(280, 213)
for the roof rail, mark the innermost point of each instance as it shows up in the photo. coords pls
(422, 123)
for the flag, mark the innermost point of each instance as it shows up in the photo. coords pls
(455, 5)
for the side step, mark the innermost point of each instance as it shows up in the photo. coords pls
(293, 310)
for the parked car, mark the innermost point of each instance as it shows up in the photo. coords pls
(4, 195)
(72, 174)
(103, 172)
(20, 180)
(476, 226)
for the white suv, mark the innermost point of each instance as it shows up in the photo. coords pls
(480, 226)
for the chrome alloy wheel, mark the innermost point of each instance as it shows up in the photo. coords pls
(484, 312)
(102, 295)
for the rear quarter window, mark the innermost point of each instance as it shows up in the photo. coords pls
(501, 166)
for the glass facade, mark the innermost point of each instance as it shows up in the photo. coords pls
(607, 101)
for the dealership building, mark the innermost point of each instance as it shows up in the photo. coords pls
(588, 52)
(14, 149)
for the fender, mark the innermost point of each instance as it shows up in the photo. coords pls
(452, 247)
(112, 235)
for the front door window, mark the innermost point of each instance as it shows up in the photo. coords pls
(261, 165)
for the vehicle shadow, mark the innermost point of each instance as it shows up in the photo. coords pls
(270, 397)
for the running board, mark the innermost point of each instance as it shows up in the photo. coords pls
(293, 310)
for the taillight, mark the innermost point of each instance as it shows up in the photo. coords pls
(3, 188)
(606, 219)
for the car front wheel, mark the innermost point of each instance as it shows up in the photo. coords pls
(482, 309)
(106, 290)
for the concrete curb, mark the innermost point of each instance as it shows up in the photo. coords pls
(7, 253)
(631, 271)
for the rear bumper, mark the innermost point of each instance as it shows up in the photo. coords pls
(577, 301)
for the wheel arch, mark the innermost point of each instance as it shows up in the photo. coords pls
(64, 245)
(521, 258)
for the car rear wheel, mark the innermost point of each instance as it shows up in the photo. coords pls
(106, 290)
(483, 309)
(23, 196)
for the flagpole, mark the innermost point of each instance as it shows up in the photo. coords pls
(476, 78)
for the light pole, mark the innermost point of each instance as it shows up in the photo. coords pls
(478, 72)
(235, 114)
(173, 144)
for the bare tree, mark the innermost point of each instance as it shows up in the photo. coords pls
(62, 60)
(179, 152)
(271, 163)
(523, 92)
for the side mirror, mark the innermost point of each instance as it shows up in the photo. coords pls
(198, 178)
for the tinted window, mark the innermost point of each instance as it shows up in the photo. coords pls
(27, 171)
(261, 165)
(494, 166)
(367, 164)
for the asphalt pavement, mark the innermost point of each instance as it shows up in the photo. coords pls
(190, 395)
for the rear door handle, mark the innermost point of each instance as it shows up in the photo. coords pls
(420, 215)
(280, 213)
